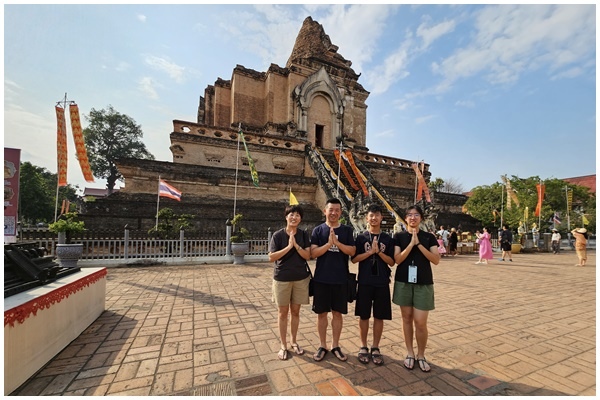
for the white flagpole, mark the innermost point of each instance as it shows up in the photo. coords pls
(157, 203)
(237, 163)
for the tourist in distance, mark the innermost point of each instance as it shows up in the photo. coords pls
(441, 246)
(506, 238)
(289, 248)
(332, 244)
(374, 255)
(580, 235)
(444, 234)
(415, 251)
(485, 247)
(556, 238)
(452, 242)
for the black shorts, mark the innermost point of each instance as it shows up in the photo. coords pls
(328, 298)
(506, 246)
(376, 298)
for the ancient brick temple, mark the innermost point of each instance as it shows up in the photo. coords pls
(304, 125)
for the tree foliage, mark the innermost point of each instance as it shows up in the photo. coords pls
(170, 223)
(37, 194)
(489, 204)
(109, 137)
(446, 186)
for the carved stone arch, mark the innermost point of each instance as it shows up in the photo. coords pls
(319, 84)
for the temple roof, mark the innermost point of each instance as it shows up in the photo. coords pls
(313, 43)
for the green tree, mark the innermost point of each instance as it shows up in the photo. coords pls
(109, 137)
(446, 186)
(487, 203)
(37, 194)
(170, 223)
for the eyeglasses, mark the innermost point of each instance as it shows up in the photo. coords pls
(413, 215)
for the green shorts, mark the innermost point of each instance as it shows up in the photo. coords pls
(414, 295)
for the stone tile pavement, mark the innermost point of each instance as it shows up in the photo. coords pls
(521, 328)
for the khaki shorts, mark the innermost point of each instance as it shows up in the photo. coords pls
(414, 295)
(293, 292)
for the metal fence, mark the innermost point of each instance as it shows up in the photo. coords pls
(110, 247)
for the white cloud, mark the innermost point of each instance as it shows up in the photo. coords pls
(141, 17)
(431, 34)
(147, 86)
(512, 39)
(423, 119)
(173, 70)
(465, 103)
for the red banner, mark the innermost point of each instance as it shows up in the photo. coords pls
(12, 161)
(422, 187)
(336, 152)
(80, 143)
(356, 172)
(540, 191)
(61, 146)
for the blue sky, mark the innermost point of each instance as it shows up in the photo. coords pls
(476, 91)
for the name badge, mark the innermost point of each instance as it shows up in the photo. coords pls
(412, 273)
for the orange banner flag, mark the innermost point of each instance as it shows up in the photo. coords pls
(80, 144)
(61, 146)
(540, 191)
(422, 185)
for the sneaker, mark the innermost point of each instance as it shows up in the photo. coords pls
(478, 262)
(509, 260)
(501, 259)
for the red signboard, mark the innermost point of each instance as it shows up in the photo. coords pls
(12, 159)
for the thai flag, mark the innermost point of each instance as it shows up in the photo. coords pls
(556, 218)
(166, 190)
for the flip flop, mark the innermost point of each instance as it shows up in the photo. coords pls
(363, 357)
(411, 362)
(297, 349)
(338, 353)
(377, 358)
(423, 365)
(320, 354)
(283, 354)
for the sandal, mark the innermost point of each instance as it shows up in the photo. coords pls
(411, 362)
(297, 349)
(283, 354)
(363, 357)
(377, 358)
(320, 354)
(423, 365)
(338, 353)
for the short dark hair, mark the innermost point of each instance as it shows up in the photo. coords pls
(294, 208)
(334, 200)
(414, 207)
(375, 208)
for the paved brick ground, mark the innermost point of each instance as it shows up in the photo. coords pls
(521, 328)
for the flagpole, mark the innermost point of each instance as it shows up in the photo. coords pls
(502, 207)
(339, 165)
(568, 215)
(540, 215)
(237, 162)
(157, 203)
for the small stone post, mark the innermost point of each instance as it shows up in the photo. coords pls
(228, 239)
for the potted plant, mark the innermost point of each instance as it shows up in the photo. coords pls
(239, 240)
(68, 253)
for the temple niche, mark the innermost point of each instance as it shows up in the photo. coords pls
(295, 121)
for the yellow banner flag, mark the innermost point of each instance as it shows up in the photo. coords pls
(293, 200)
(80, 144)
(584, 219)
(61, 146)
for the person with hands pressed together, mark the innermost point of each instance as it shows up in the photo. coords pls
(289, 248)
(415, 251)
(375, 256)
(331, 245)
